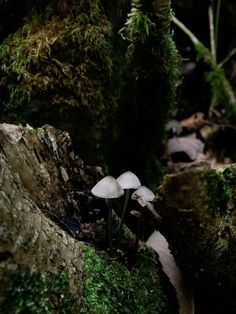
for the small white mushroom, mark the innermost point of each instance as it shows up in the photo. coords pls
(144, 196)
(143, 192)
(128, 180)
(108, 188)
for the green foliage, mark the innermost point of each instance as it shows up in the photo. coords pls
(38, 294)
(111, 288)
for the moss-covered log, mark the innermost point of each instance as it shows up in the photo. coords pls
(149, 95)
(44, 269)
(198, 207)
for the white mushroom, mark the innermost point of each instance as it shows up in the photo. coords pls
(144, 196)
(144, 192)
(128, 180)
(108, 188)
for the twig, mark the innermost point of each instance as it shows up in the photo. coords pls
(207, 57)
(230, 126)
(217, 18)
(227, 58)
(192, 37)
(212, 32)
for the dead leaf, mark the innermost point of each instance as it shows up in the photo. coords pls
(183, 291)
(192, 147)
(194, 122)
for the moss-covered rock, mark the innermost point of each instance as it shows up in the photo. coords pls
(198, 210)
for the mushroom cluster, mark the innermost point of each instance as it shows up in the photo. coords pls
(110, 188)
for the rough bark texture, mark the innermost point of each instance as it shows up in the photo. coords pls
(198, 207)
(38, 168)
(55, 178)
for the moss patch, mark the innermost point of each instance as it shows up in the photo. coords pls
(106, 287)
(218, 192)
(109, 287)
(37, 293)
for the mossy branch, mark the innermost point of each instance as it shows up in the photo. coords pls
(221, 89)
(212, 31)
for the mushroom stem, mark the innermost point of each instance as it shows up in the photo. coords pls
(124, 210)
(109, 221)
(139, 223)
(153, 211)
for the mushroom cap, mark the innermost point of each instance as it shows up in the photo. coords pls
(128, 180)
(143, 192)
(107, 187)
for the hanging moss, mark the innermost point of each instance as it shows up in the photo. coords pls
(149, 95)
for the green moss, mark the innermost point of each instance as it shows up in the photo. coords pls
(56, 69)
(106, 287)
(230, 176)
(150, 91)
(38, 294)
(217, 191)
(42, 67)
(109, 287)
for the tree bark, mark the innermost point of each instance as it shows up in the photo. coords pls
(29, 241)
(39, 171)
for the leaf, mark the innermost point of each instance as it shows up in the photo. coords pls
(194, 122)
(183, 290)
